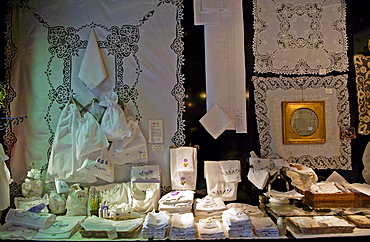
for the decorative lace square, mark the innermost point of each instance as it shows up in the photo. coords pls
(300, 36)
(271, 91)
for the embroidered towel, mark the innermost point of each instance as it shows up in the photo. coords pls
(258, 177)
(92, 71)
(185, 158)
(231, 170)
(216, 185)
(183, 164)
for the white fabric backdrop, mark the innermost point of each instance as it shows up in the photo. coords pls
(142, 61)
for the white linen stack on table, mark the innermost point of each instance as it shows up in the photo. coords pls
(237, 223)
(183, 164)
(177, 202)
(210, 229)
(264, 227)
(209, 207)
(248, 209)
(156, 224)
(182, 226)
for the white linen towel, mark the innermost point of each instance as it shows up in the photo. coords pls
(231, 170)
(185, 157)
(183, 168)
(92, 71)
(216, 185)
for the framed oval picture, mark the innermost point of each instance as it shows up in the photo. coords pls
(303, 122)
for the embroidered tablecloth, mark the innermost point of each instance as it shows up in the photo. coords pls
(300, 36)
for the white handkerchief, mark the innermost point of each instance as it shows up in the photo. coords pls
(92, 71)
(231, 170)
(215, 121)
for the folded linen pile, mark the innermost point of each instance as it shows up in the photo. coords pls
(177, 201)
(248, 209)
(264, 227)
(209, 207)
(210, 229)
(182, 226)
(94, 223)
(156, 225)
(237, 223)
(63, 228)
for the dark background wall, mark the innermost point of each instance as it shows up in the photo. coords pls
(230, 145)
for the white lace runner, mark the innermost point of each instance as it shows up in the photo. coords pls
(271, 91)
(300, 36)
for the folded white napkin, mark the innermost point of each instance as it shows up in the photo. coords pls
(63, 228)
(92, 71)
(258, 177)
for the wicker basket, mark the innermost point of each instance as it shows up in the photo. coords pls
(329, 200)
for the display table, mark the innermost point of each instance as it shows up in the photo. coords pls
(285, 216)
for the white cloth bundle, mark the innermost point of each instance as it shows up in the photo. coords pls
(77, 201)
(29, 219)
(210, 228)
(26, 203)
(177, 201)
(145, 196)
(57, 203)
(90, 137)
(302, 176)
(131, 149)
(99, 164)
(231, 170)
(183, 165)
(113, 123)
(271, 165)
(63, 228)
(32, 188)
(216, 185)
(63, 162)
(92, 71)
(209, 203)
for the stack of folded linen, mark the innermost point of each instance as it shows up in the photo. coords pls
(248, 209)
(237, 223)
(264, 227)
(210, 229)
(182, 226)
(156, 225)
(177, 201)
(209, 207)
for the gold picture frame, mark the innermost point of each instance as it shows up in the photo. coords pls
(303, 122)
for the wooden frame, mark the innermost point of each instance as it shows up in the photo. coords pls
(303, 122)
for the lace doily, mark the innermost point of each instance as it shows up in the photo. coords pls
(300, 36)
(362, 65)
(270, 91)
